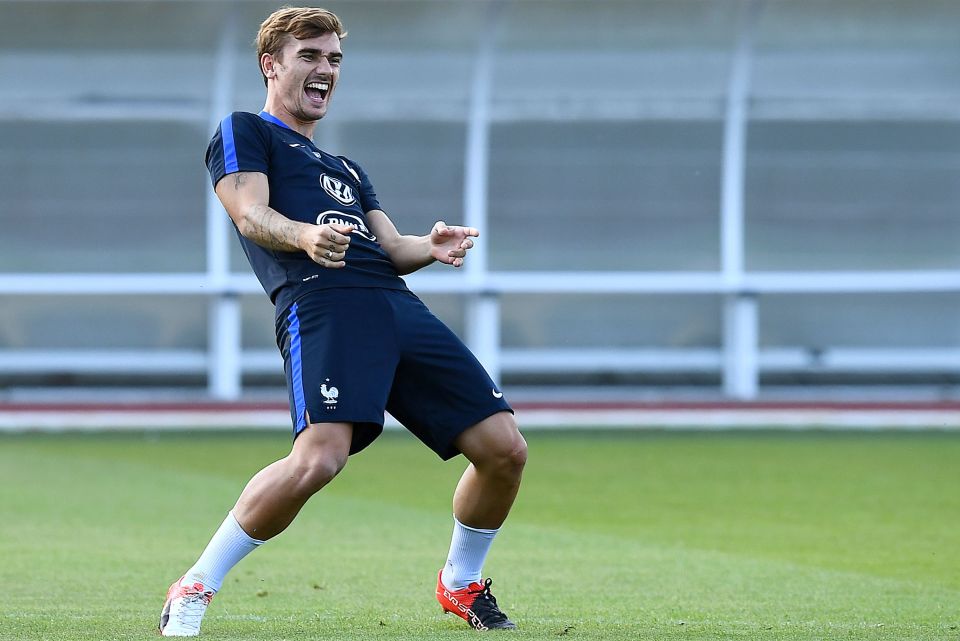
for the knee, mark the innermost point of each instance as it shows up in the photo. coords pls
(516, 456)
(510, 457)
(311, 475)
(495, 447)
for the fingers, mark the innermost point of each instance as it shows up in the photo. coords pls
(335, 261)
(323, 262)
(329, 244)
(334, 237)
(462, 249)
(455, 256)
(440, 231)
(339, 234)
(440, 228)
(333, 257)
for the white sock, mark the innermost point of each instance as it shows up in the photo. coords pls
(468, 551)
(228, 545)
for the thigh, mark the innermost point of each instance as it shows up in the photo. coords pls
(440, 388)
(340, 354)
(495, 438)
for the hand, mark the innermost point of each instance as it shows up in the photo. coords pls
(327, 244)
(450, 244)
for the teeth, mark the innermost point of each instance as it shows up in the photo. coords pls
(322, 86)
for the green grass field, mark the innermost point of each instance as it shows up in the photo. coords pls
(631, 535)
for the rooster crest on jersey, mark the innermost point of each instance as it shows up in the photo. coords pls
(330, 394)
(337, 189)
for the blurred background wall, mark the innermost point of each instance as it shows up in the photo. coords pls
(710, 194)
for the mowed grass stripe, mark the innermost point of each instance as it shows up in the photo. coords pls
(616, 536)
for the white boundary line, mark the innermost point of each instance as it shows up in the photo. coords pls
(678, 419)
(725, 419)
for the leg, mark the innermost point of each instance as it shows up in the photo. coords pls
(267, 505)
(487, 489)
(274, 496)
(484, 496)
(439, 387)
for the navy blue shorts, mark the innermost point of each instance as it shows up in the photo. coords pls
(351, 353)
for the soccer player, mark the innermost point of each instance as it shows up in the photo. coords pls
(355, 341)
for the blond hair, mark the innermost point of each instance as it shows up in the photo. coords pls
(299, 22)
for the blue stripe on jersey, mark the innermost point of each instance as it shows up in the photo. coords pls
(229, 148)
(269, 117)
(296, 370)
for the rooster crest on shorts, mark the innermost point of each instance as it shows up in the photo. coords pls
(330, 394)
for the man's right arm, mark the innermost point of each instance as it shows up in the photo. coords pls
(246, 194)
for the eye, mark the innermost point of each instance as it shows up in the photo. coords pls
(306, 56)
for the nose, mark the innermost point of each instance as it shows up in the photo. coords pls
(324, 66)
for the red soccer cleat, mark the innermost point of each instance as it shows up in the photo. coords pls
(184, 609)
(475, 605)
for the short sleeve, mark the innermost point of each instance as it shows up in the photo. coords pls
(368, 197)
(239, 144)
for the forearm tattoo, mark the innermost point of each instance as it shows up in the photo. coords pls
(269, 229)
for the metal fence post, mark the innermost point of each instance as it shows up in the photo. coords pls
(740, 374)
(483, 309)
(224, 333)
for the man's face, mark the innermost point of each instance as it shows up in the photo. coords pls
(307, 72)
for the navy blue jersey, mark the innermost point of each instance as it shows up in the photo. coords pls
(307, 185)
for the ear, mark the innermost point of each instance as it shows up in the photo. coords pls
(268, 65)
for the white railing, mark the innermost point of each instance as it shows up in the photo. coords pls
(225, 360)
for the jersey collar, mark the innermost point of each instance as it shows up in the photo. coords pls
(271, 118)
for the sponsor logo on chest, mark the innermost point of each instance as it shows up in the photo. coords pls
(337, 189)
(339, 218)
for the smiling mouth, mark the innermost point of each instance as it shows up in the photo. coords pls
(317, 91)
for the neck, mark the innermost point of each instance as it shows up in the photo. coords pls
(304, 128)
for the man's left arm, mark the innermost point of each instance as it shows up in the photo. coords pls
(448, 245)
